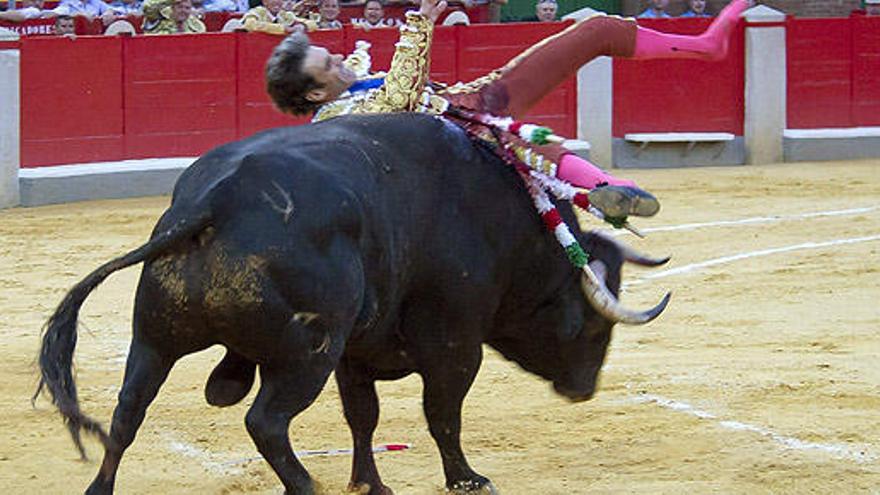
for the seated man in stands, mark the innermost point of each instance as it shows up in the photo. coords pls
(545, 11)
(89, 9)
(374, 16)
(271, 18)
(329, 10)
(696, 8)
(305, 79)
(65, 26)
(30, 9)
(656, 10)
(170, 17)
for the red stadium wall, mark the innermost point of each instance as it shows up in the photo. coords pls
(180, 95)
(833, 72)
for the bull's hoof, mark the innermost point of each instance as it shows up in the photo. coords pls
(471, 487)
(366, 489)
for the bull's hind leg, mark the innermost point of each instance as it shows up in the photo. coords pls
(361, 405)
(145, 371)
(285, 391)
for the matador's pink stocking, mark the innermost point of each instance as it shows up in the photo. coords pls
(581, 173)
(711, 45)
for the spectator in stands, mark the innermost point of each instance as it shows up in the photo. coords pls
(374, 16)
(86, 8)
(170, 17)
(872, 7)
(271, 18)
(329, 11)
(30, 9)
(545, 10)
(696, 8)
(65, 26)
(656, 10)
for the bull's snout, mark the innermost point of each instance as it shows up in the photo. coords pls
(580, 394)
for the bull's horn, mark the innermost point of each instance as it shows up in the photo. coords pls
(631, 255)
(608, 306)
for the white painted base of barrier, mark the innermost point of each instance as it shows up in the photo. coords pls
(109, 180)
(803, 145)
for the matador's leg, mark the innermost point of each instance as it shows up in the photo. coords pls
(530, 76)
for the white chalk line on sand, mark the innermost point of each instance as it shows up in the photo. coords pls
(853, 453)
(692, 267)
(754, 220)
(207, 459)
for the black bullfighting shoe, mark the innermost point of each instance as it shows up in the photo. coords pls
(620, 202)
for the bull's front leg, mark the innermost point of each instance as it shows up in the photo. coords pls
(448, 375)
(361, 406)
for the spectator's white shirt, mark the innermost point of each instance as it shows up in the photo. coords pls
(92, 8)
(220, 6)
(30, 12)
(122, 8)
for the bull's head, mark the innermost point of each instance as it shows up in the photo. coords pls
(568, 337)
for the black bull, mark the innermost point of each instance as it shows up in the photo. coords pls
(373, 246)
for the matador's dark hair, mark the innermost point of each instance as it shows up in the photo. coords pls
(286, 82)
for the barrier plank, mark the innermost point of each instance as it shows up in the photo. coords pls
(71, 100)
(680, 95)
(180, 94)
(819, 73)
(866, 71)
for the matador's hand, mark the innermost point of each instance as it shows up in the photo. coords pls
(432, 9)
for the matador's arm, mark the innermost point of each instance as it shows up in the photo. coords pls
(408, 74)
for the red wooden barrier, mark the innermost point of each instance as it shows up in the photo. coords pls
(680, 95)
(71, 100)
(180, 94)
(819, 73)
(866, 71)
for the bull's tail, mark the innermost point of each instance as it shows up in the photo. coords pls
(59, 338)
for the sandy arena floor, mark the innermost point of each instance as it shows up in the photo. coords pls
(762, 377)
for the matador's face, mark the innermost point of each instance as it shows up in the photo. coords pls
(329, 72)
